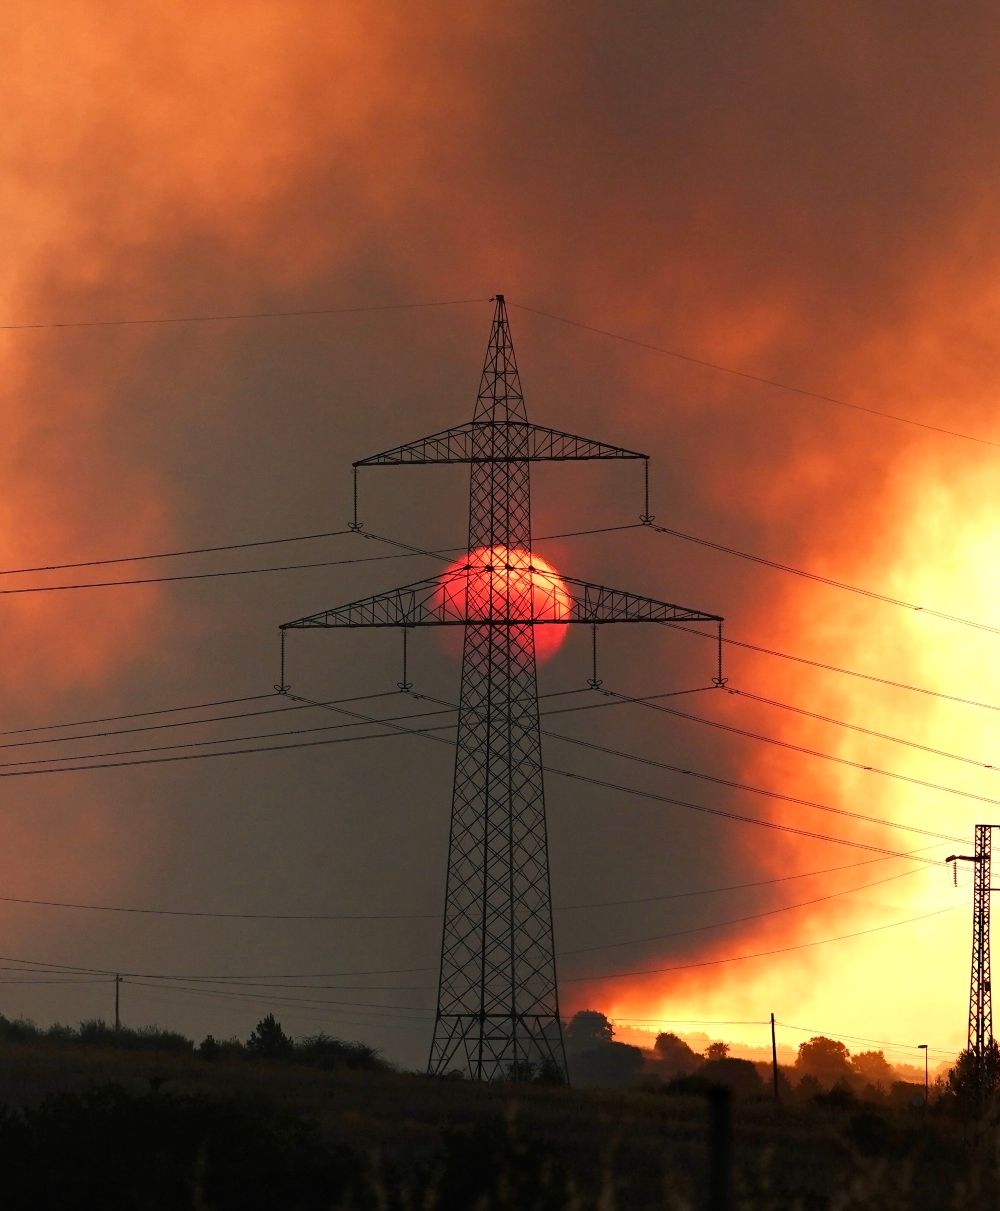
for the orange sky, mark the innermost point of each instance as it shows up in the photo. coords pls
(805, 193)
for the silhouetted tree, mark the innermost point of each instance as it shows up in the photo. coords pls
(674, 1055)
(608, 1066)
(873, 1069)
(588, 1029)
(962, 1080)
(268, 1041)
(209, 1049)
(717, 1051)
(825, 1059)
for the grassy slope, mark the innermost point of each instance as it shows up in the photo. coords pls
(655, 1146)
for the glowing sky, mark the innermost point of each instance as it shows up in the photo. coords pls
(807, 192)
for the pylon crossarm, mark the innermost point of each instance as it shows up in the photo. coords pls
(597, 603)
(472, 596)
(497, 441)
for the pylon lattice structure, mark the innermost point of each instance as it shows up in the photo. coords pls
(980, 993)
(980, 1039)
(498, 1003)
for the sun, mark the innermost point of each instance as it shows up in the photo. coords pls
(495, 583)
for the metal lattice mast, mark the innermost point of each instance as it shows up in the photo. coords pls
(498, 1003)
(980, 995)
(980, 1040)
(498, 1007)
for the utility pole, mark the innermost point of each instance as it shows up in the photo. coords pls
(924, 1048)
(118, 1020)
(774, 1061)
(980, 1038)
(498, 1003)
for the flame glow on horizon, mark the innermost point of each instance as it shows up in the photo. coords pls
(306, 155)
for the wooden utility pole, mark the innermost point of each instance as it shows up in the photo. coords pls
(118, 1020)
(774, 1061)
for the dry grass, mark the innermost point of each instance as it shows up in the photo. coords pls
(618, 1151)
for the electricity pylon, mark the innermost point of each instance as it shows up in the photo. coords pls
(980, 991)
(498, 1002)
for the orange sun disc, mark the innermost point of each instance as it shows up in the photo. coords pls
(497, 583)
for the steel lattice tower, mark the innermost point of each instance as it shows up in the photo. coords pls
(980, 994)
(498, 1003)
(980, 1041)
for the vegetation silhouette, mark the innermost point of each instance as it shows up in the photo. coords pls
(115, 1150)
(499, 1165)
(674, 1057)
(595, 1059)
(975, 1091)
(268, 1040)
(826, 1060)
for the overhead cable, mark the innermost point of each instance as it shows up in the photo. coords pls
(809, 752)
(753, 916)
(761, 954)
(213, 317)
(756, 378)
(856, 727)
(232, 546)
(827, 580)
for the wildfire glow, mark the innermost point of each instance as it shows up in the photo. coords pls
(497, 582)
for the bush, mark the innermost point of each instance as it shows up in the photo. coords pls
(111, 1149)
(19, 1030)
(325, 1051)
(97, 1032)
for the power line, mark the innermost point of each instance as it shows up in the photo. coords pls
(427, 733)
(281, 998)
(754, 916)
(153, 727)
(443, 556)
(181, 576)
(679, 895)
(696, 1021)
(736, 816)
(239, 315)
(216, 575)
(756, 378)
(835, 668)
(42, 966)
(232, 546)
(174, 981)
(856, 727)
(714, 811)
(167, 710)
(827, 580)
(716, 780)
(649, 971)
(855, 1038)
(809, 752)
(188, 744)
(419, 916)
(744, 786)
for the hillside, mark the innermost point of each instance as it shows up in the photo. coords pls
(175, 1130)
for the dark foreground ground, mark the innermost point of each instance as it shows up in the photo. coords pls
(98, 1128)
